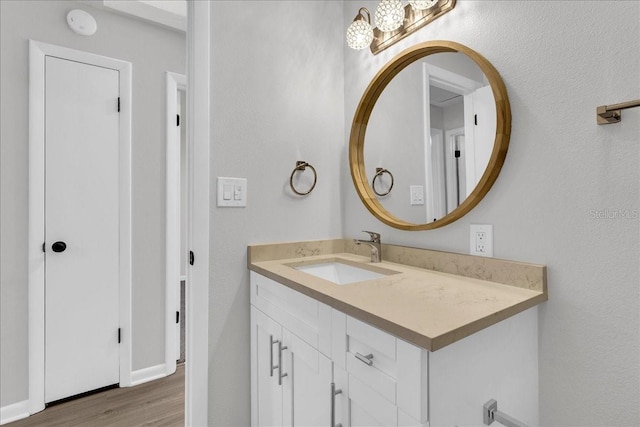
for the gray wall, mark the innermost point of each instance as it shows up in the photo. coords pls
(395, 140)
(277, 97)
(152, 50)
(294, 100)
(559, 60)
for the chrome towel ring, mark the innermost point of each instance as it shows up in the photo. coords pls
(379, 172)
(301, 166)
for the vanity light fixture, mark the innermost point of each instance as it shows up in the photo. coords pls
(389, 15)
(360, 32)
(394, 22)
(422, 4)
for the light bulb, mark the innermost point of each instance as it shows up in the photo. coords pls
(389, 15)
(422, 4)
(360, 33)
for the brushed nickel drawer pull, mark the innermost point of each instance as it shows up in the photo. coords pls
(280, 374)
(368, 359)
(334, 393)
(272, 342)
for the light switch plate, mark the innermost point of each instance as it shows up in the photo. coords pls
(417, 194)
(232, 192)
(481, 240)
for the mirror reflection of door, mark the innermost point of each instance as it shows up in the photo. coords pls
(461, 119)
(434, 128)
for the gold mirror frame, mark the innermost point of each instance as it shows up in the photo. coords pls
(363, 113)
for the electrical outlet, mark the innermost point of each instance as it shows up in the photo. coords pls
(481, 240)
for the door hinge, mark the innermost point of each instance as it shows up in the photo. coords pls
(118, 104)
(119, 335)
(44, 244)
(177, 317)
(475, 119)
(177, 119)
(457, 153)
(191, 258)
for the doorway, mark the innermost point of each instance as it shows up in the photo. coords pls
(177, 218)
(198, 43)
(79, 223)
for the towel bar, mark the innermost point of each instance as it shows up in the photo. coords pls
(490, 414)
(607, 114)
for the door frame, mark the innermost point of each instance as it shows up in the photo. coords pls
(199, 136)
(36, 230)
(173, 82)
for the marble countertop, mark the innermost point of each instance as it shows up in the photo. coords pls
(417, 303)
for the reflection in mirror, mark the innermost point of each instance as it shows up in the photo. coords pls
(434, 125)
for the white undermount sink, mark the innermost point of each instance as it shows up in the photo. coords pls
(342, 273)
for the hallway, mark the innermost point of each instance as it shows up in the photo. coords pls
(156, 403)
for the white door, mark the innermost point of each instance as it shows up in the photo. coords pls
(266, 339)
(81, 212)
(455, 169)
(480, 134)
(438, 174)
(307, 387)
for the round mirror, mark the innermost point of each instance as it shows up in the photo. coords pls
(429, 136)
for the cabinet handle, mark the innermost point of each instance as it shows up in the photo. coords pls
(368, 359)
(273, 368)
(334, 393)
(280, 374)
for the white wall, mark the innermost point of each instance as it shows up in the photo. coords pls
(277, 97)
(152, 50)
(395, 140)
(559, 60)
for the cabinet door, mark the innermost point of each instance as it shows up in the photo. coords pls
(367, 408)
(266, 393)
(307, 386)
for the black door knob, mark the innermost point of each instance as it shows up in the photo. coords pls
(59, 246)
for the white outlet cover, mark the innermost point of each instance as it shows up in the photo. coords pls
(477, 247)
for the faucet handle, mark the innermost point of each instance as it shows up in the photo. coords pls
(375, 237)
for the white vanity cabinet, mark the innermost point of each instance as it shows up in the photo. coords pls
(290, 375)
(290, 378)
(383, 380)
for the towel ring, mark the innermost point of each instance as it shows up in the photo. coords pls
(379, 172)
(301, 166)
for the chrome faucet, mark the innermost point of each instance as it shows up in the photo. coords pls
(374, 243)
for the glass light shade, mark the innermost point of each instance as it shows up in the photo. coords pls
(389, 15)
(422, 4)
(359, 34)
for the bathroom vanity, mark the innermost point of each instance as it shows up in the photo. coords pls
(422, 338)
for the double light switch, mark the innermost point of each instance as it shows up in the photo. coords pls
(232, 192)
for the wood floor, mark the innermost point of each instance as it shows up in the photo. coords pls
(156, 403)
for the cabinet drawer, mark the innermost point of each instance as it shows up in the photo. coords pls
(398, 370)
(371, 357)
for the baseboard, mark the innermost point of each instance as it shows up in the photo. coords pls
(14, 412)
(148, 374)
